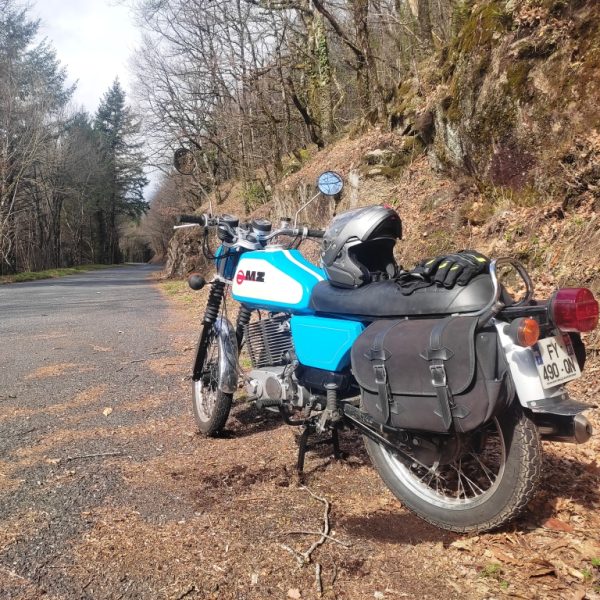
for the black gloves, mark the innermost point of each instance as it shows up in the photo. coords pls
(454, 268)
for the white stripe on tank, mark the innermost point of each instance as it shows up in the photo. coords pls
(289, 256)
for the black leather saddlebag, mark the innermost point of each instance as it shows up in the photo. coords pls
(431, 375)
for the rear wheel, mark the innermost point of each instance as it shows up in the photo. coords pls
(211, 405)
(474, 483)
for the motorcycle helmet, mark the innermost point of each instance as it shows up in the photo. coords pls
(358, 246)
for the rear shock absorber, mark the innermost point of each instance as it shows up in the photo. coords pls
(332, 406)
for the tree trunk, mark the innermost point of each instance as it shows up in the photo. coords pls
(321, 80)
(360, 11)
(424, 20)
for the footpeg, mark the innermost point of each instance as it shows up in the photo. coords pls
(268, 403)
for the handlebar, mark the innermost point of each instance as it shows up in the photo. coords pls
(210, 221)
(193, 219)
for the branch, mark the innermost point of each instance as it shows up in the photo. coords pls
(100, 454)
(338, 29)
(268, 5)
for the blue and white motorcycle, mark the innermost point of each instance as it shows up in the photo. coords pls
(452, 387)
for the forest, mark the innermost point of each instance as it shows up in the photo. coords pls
(248, 85)
(68, 180)
(257, 89)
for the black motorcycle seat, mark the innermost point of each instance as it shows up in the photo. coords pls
(384, 299)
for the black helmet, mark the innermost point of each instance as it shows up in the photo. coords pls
(358, 246)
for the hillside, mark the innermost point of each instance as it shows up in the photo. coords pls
(494, 145)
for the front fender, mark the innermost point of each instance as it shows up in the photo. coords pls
(228, 355)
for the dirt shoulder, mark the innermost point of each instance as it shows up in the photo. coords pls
(174, 515)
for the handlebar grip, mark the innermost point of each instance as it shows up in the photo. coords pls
(195, 219)
(316, 233)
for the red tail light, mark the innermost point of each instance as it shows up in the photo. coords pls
(574, 309)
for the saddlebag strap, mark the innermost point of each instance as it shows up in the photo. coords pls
(437, 354)
(378, 355)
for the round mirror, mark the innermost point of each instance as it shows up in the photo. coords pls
(184, 161)
(330, 183)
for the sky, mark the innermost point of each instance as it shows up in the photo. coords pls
(93, 39)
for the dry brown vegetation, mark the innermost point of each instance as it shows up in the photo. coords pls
(208, 518)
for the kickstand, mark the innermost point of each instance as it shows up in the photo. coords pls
(304, 446)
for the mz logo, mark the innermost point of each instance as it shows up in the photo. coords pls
(258, 276)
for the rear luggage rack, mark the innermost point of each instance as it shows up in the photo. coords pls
(495, 305)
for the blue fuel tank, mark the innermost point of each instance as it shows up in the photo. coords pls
(276, 280)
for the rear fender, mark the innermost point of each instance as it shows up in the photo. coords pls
(546, 405)
(524, 372)
(228, 355)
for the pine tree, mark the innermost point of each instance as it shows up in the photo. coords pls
(123, 162)
(32, 96)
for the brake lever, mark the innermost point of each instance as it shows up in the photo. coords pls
(187, 225)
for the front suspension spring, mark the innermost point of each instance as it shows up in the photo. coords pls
(213, 304)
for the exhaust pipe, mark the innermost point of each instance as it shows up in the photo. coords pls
(569, 429)
(583, 429)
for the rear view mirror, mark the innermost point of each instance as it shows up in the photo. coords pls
(330, 183)
(184, 161)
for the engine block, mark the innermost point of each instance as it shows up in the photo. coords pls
(268, 341)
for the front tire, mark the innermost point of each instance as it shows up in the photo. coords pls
(211, 405)
(482, 488)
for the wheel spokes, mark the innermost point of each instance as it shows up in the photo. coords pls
(465, 478)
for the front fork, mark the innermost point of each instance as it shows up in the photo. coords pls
(215, 297)
(229, 340)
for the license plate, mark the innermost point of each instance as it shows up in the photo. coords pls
(555, 360)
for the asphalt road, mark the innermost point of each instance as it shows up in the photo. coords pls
(79, 358)
(107, 308)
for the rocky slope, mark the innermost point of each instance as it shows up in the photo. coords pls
(494, 145)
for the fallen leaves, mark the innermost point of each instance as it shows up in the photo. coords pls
(558, 525)
(54, 370)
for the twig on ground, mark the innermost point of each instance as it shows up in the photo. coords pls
(305, 557)
(99, 454)
(187, 592)
(345, 544)
(325, 531)
(11, 573)
(318, 579)
(299, 557)
(137, 360)
(25, 432)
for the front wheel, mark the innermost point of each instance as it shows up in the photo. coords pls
(474, 483)
(211, 405)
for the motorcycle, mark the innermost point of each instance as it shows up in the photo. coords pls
(452, 389)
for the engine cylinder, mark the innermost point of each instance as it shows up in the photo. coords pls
(269, 341)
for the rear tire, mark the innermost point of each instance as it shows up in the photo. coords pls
(211, 406)
(485, 487)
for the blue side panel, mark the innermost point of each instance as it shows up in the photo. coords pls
(324, 343)
(276, 280)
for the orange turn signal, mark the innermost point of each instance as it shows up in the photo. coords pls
(528, 332)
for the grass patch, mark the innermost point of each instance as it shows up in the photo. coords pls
(51, 273)
(180, 291)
